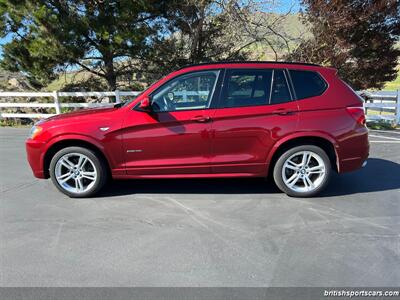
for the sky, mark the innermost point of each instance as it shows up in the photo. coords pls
(279, 6)
(283, 6)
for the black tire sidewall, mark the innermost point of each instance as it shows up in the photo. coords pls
(277, 173)
(98, 164)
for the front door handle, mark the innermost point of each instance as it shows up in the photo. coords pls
(201, 119)
(283, 112)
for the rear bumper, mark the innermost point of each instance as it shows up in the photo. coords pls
(35, 154)
(353, 151)
(352, 164)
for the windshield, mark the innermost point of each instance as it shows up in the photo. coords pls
(126, 103)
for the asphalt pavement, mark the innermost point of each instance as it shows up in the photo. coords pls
(225, 232)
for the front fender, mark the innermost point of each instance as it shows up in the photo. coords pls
(74, 136)
(78, 138)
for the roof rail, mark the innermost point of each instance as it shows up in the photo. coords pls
(251, 62)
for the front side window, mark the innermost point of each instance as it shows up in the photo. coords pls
(307, 83)
(187, 92)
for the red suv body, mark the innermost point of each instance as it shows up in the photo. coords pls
(243, 119)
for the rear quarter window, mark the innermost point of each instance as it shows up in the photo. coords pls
(307, 83)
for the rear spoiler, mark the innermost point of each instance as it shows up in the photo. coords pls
(332, 70)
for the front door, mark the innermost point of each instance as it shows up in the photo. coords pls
(174, 137)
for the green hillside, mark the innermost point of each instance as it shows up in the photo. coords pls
(395, 84)
(66, 79)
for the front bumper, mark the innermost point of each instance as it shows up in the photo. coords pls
(35, 153)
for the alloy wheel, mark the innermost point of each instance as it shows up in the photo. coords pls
(304, 171)
(75, 172)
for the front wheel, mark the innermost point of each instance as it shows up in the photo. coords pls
(302, 171)
(77, 172)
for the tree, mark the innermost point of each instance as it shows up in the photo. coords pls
(120, 39)
(356, 36)
(95, 35)
(197, 32)
(215, 30)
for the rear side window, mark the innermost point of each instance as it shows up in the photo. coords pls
(255, 87)
(280, 92)
(307, 83)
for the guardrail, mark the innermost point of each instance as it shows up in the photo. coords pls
(380, 105)
(56, 104)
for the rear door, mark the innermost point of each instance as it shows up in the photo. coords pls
(256, 108)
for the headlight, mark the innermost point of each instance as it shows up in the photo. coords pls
(35, 130)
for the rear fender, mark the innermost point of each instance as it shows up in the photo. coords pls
(308, 134)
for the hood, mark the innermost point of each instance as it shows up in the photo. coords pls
(83, 113)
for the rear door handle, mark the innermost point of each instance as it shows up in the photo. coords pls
(201, 119)
(283, 112)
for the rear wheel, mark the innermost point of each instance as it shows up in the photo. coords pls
(302, 171)
(77, 172)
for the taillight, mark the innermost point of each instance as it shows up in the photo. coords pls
(357, 113)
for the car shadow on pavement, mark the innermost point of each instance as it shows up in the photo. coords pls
(378, 175)
(190, 186)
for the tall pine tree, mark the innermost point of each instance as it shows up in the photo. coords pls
(94, 35)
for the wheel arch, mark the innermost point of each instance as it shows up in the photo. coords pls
(326, 143)
(64, 142)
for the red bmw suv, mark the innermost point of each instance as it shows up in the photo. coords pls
(294, 122)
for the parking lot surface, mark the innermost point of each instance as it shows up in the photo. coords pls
(226, 232)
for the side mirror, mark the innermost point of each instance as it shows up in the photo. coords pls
(145, 104)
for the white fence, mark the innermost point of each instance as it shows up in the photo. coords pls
(56, 104)
(381, 105)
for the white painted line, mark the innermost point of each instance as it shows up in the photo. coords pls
(385, 131)
(386, 142)
(384, 137)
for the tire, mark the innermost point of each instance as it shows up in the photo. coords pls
(291, 173)
(78, 172)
